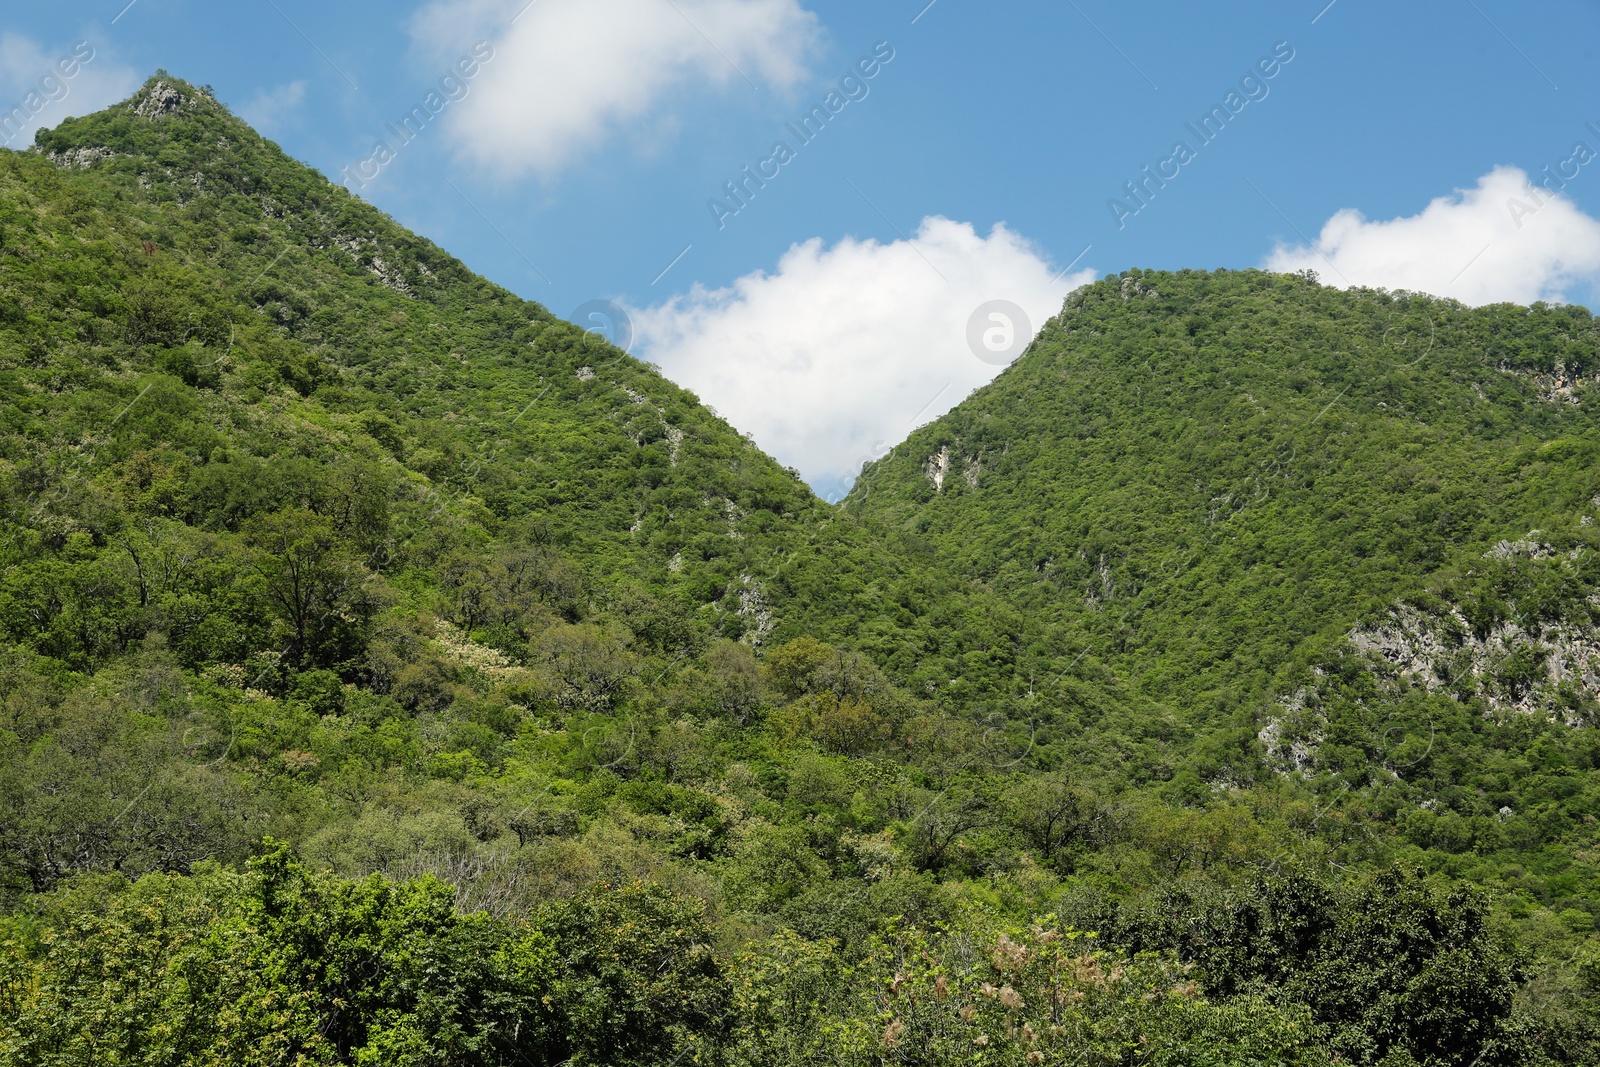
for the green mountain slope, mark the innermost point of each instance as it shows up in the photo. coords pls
(170, 247)
(268, 285)
(304, 515)
(1347, 537)
(1211, 479)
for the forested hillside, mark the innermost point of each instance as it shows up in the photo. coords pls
(1349, 536)
(391, 672)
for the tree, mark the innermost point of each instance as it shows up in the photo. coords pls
(278, 965)
(583, 665)
(1392, 964)
(1053, 814)
(1045, 995)
(635, 977)
(106, 790)
(313, 578)
(735, 679)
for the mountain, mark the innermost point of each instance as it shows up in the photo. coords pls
(215, 278)
(1211, 478)
(1221, 485)
(393, 672)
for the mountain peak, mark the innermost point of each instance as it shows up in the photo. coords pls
(163, 96)
(185, 125)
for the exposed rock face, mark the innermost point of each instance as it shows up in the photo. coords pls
(79, 158)
(367, 252)
(1102, 587)
(161, 100)
(390, 276)
(1524, 663)
(1293, 734)
(943, 463)
(938, 467)
(1133, 287)
(1412, 643)
(1518, 666)
(755, 610)
(1560, 386)
(1523, 547)
(1443, 652)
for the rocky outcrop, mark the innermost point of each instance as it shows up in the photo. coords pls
(1521, 663)
(1511, 668)
(944, 463)
(938, 468)
(1133, 287)
(755, 611)
(80, 158)
(1294, 731)
(157, 102)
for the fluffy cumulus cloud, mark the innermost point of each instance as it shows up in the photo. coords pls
(568, 74)
(1507, 239)
(834, 357)
(41, 85)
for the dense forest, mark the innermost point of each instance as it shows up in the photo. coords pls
(392, 672)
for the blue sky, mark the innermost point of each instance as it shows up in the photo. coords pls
(850, 298)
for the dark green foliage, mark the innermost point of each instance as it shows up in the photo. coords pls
(1390, 964)
(634, 975)
(281, 965)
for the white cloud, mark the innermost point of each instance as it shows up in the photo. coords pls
(269, 109)
(569, 74)
(35, 93)
(837, 355)
(1503, 241)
